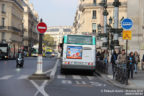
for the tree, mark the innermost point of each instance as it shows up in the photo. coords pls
(48, 40)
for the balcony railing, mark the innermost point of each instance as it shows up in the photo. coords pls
(10, 28)
(82, 6)
(18, 4)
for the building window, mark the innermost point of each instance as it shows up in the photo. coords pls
(3, 22)
(3, 36)
(66, 30)
(94, 28)
(3, 8)
(94, 1)
(94, 14)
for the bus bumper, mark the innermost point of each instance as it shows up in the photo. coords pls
(78, 67)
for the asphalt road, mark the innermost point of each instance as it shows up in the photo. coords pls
(81, 83)
(14, 82)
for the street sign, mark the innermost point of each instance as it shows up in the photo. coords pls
(127, 35)
(127, 24)
(42, 27)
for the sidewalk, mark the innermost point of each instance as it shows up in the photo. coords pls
(136, 83)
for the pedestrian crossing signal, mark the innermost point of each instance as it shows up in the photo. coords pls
(127, 35)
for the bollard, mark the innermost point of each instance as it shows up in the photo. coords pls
(39, 75)
(39, 65)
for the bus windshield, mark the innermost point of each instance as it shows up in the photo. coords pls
(3, 49)
(79, 39)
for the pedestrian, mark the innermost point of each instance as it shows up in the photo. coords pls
(121, 66)
(122, 58)
(102, 55)
(137, 60)
(0, 54)
(113, 59)
(142, 64)
(131, 62)
(98, 55)
(106, 54)
(105, 60)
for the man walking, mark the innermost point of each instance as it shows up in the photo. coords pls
(123, 64)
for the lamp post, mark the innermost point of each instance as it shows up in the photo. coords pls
(99, 34)
(99, 31)
(105, 13)
(116, 5)
(22, 35)
(110, 35)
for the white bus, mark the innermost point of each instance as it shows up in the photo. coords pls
(78, 52)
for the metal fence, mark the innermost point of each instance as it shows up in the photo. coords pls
(101, 66)
(120, 73)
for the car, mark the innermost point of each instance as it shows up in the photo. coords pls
(52, 54)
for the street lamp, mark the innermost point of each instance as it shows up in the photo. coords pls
(99, 36)
(99, 31)
(99, 27)
(116, 5)
(105, 13)
(110, 20)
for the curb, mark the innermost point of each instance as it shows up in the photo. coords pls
(117, 84)
(39, 77)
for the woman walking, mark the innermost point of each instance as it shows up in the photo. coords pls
(137, 60)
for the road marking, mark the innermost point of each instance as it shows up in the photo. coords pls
(76, 77)
(90, 77)
(52, 74)
(6, 77)
(23, 77)
(83, 82)
(96, 84)
(61, 76)
(66, 82)
(77, 82)
(80, 82)
(110, 76)
(47, 71)
(40, 88)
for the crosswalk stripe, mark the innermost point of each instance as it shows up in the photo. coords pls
(6, 77)
(83, 82)
(80, 82)
(90, 77)
(110, 76)
(76, 77)
(23, 77)
(77, 82)
(66, 82)
(61, 76)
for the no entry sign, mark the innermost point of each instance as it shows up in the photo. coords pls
(42, 27)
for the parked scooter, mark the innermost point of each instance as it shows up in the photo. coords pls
(20, 60)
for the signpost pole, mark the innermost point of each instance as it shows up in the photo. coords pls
(39, 75)
(127, 25)
(126, 73)
(40, 61)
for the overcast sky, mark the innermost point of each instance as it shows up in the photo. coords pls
(56, 12)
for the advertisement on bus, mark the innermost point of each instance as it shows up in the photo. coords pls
(74, 52)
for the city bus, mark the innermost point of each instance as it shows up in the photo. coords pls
(78, 52)
(34, 51)
(8, 51)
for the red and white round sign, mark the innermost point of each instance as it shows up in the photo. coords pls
(42, 27)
